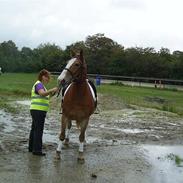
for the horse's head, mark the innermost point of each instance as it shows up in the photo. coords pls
(75, 69)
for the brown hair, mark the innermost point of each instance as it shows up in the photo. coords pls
(43, 72)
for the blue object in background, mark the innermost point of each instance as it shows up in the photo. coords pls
(98, 80)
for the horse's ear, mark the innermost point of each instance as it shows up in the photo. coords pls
(81, 55)
(72, 53)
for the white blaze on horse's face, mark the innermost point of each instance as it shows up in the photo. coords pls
(65, 76)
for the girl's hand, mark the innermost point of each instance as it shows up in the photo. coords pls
(53, 91)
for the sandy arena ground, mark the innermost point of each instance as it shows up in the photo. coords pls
(124, 144)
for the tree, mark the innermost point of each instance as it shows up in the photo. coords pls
(51, 56)
(100, 49)
(9, 56)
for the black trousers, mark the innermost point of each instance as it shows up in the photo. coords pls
(36, 133)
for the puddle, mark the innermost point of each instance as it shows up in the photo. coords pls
(47, 137)
(131, 130)
(24, 102)
(6, 121)
(125, 130)
(74, 138)
(172, 124)
(167, 162)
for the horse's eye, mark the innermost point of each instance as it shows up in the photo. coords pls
(77, 65)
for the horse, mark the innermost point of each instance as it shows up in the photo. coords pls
(78, 102)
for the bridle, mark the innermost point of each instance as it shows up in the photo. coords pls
(69, 72)
(75, 78)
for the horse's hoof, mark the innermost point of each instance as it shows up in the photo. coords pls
(81, 160)
(66, 142)
(57, 156)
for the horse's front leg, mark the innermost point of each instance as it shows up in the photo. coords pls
(61, 137)
(83, 126)
(67, 132)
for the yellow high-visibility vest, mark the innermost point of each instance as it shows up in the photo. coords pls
(39, 102)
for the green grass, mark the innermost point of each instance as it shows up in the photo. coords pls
(178, 160)
(14, 86)
(20, 84)
(162, 99)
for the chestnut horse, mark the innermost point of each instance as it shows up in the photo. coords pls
(78, 101)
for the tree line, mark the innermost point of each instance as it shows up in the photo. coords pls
(102, 54)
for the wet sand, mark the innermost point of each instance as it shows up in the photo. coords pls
(123, 144)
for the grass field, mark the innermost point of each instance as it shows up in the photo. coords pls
(20, 84)
(163, 99)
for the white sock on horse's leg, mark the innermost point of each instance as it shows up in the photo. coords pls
(67, 133)
(85, 140)
(81, 147)
(59, 146)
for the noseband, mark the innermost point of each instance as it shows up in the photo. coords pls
(69, 72)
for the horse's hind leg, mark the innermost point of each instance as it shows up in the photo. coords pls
(83, 126)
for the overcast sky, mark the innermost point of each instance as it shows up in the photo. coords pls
(144, 23)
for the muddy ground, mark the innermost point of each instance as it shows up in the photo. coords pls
(124, 144)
